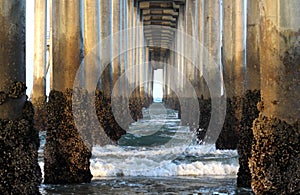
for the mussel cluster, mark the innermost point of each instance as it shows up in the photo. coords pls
(15, 90)
(228, 138)
(275, 160)
(245, 139)
(19, 143)
(40, 113)
(135, 107)
(106, 116)
(66, 154)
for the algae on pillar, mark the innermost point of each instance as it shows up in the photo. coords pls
(275, 161)
(19, 141)
(66, 155)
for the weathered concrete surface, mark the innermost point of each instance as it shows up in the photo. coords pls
(91, 44)
(116, 39)
(12, 55)
(280, 59)
(274, 164)
(253, 40)
(67, 43)
(19, 142)
(105, 32)
(40, 46)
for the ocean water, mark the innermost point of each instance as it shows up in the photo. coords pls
(156, 156)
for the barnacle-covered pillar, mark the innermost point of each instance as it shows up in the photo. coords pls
(66, 155)
(233, 58)
(19, 142)
(275, 161)
(39, 79)
(252, 93)
(210, 58)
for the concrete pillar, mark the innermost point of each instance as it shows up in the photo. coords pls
(208, 23)
(214, 35)
(19, 170)
(12, 57)
(279, 67)
(124, 57)
(51, 44)
(234, 63)
(116, 42)
(105, 53)
(199, 60)
(66, 161)
(130, 44)
(252, 93)
(227, 49)
(135, 50)
(67, 43)
(239, 46)
(189, 28)
(147, 71)
(91, 43)
(197, 52)
(39, 79)
(152, 78)
(142, 58)
(275, 160)
(165, 79)
(137, 58)
(171, 73)
(233, 56)
(253, 62)
(180, 47)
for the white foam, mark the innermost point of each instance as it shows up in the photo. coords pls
(115, 160)
(41, 163)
